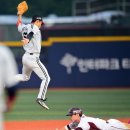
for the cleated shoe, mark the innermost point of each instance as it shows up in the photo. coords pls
(42, 103)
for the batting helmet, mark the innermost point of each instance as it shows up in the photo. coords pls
(74, 111)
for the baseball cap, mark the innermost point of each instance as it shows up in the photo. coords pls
(37, 17)
(73, 111)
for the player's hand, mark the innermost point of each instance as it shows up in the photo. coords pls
(25, 41)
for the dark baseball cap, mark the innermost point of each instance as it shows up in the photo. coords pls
(73, 111)
(37, 17)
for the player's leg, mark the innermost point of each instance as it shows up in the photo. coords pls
(1, 120)
(11, 93)
(26, 70)
(116, 124)
(25, 76)
(41, 71)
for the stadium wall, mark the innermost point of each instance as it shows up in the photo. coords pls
(95, 61)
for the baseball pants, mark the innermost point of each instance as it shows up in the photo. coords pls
(118, 125)
(31, 62)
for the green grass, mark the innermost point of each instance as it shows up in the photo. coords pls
(103, 103)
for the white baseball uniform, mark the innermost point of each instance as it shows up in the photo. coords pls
(30, 59)
(90, 123)
(8, 69)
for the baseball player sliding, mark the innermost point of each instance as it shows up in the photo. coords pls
(82, 122)
(32, 45)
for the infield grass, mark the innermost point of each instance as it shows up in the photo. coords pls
(102, 103)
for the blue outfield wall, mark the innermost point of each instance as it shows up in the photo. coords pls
(90, 64)
(85, 64)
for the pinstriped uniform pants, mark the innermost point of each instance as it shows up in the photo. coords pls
(33, 63)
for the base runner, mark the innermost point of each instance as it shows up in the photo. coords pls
(81, 122)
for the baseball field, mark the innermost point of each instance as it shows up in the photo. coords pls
(101, 103)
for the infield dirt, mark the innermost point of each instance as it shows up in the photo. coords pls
(41, 125)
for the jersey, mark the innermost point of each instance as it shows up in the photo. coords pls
(8, 69)
(34, 45)
(90, 123)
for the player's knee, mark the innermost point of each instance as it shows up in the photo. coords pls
(47, 78)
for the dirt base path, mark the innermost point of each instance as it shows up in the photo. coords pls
(40, 125)
(35, 125)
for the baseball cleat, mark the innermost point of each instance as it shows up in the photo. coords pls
(42, 103)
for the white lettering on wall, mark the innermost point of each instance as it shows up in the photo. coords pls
(85, 65)
(68, 61)
(126, 63)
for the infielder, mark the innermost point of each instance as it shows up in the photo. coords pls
(8, 69)
(32, 45)
(82, 122)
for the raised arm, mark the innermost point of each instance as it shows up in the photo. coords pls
(19, 21)
(21, 9)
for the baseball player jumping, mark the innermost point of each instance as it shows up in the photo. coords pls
(32, 45)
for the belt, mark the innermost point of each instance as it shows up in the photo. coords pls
(32, 53)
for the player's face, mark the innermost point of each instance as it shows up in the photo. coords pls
(39, 23)
(75, 117)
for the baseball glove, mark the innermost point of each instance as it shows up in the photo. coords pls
(22, 8)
